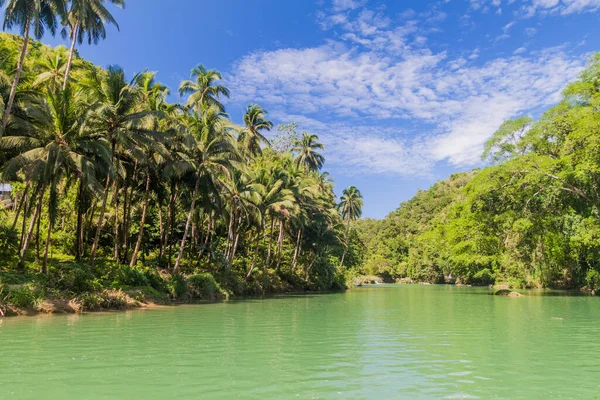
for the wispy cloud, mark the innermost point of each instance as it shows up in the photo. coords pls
(529, 8)
(383, 102)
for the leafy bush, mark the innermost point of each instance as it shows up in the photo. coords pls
(9, 245)
(106, 300)
(24, 296)
(76, 278)
(204, 286)
(592, 280)
(123, 276)
(177, 286)
(483, 277)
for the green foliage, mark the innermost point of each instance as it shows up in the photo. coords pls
(529, 220)
(204, 286)
(483, 277)
(106, 300)
(9, 245)
(177, 286)
(592, 280)
(75, 278)
(24, 296)
(117, 188)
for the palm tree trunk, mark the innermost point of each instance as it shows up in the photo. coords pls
(124, 228)
(307, 271)
(22, 203)
(36, 215)
(208, 235)
(13, 89)
(256, 248)
(116, 232)
(127, 206)
(270, 242)
(230, 231)
(28, 204)
(297, 249)
(280, 244)
(346, 245)
(79, 228)
(268, 261)
(47, 247)
(237, 237)
(187, 226)
(161, 230)
(142, 221)
(71, 53)
(37, 238)
(170, 223)
(88, 226)
(100, 222)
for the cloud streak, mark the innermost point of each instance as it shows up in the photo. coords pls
(364, 90)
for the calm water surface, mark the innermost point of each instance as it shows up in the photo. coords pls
(383, 342)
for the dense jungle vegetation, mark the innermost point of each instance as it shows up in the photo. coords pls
(530, 219)
(115, 189)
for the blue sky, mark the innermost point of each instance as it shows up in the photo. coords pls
(402, 93)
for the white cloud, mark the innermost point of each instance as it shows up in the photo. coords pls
(530, 8)
(365, 90)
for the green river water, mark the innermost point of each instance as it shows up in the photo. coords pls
(380, 342)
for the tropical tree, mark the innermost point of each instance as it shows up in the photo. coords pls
(306, 152)
(208, 152)
(255, 121)
(203, 89)
(87, 18)
(38, 15)
(351, 209)
(55, 147)
(114, 114)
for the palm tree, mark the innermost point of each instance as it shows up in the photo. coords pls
(351, 209)
(152, 98)
(87, 18)
(209, 151)
(307, 154)
(244, 196)
(26, 14)
(55, 147)
(203, 90)
(255, 121)
(115, 115)
(50, 70)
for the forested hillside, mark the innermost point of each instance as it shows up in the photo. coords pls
(529, 219)
(114, 188)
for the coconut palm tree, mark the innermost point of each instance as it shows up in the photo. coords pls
(307, 155)
(54, 148)
(87, 18)
(351, 209)
(255, 121)
(38, 15)
(50, 70)
(209, 150)
(152, 99)
(203, 90)
(116, 115)
(244, 197)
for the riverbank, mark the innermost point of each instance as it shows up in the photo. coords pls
(71, 287)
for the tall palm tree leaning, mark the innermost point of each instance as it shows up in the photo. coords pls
(307, 155)
(26, 14)
(87, 18)
(255, 121)
(351, 209)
